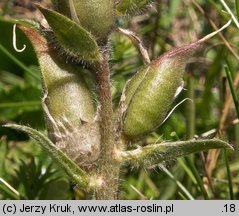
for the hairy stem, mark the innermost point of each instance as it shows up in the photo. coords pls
(108, 166)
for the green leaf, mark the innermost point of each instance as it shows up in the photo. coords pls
(158, 153)
(232, 88)
(73, 171)
(74, 39)
(237, 7)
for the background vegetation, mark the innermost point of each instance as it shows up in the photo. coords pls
(27, 173)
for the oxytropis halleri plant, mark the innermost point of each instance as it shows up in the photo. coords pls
(87, 139)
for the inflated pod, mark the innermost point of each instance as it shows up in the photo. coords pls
(148, 96)
(96, 16)
(67, 103)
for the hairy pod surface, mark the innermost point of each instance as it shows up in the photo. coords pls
(96, 16)
(68, 104)
(148, 96)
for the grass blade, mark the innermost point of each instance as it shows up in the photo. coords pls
(233, 91)
(237, 7)
(179, 184)
(197, 177)
(9, 190)
(229, 177)
(230, 12)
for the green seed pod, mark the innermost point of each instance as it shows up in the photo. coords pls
(96, 16)
(149, 95)
(67, 103)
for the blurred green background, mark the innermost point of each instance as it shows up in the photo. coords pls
(27, 173)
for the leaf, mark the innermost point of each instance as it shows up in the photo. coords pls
(74, 39)
(237, 7)
(73, 171)
(158, 153)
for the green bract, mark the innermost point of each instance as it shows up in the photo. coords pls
(149, 94)
(96, 16)
(75, 40)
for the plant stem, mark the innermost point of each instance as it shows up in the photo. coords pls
(190, 109)
(229, 177)
(232, 88)
(230, 12)
(190, 117)
(108, 166)
(237, 7)
(197, 177)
